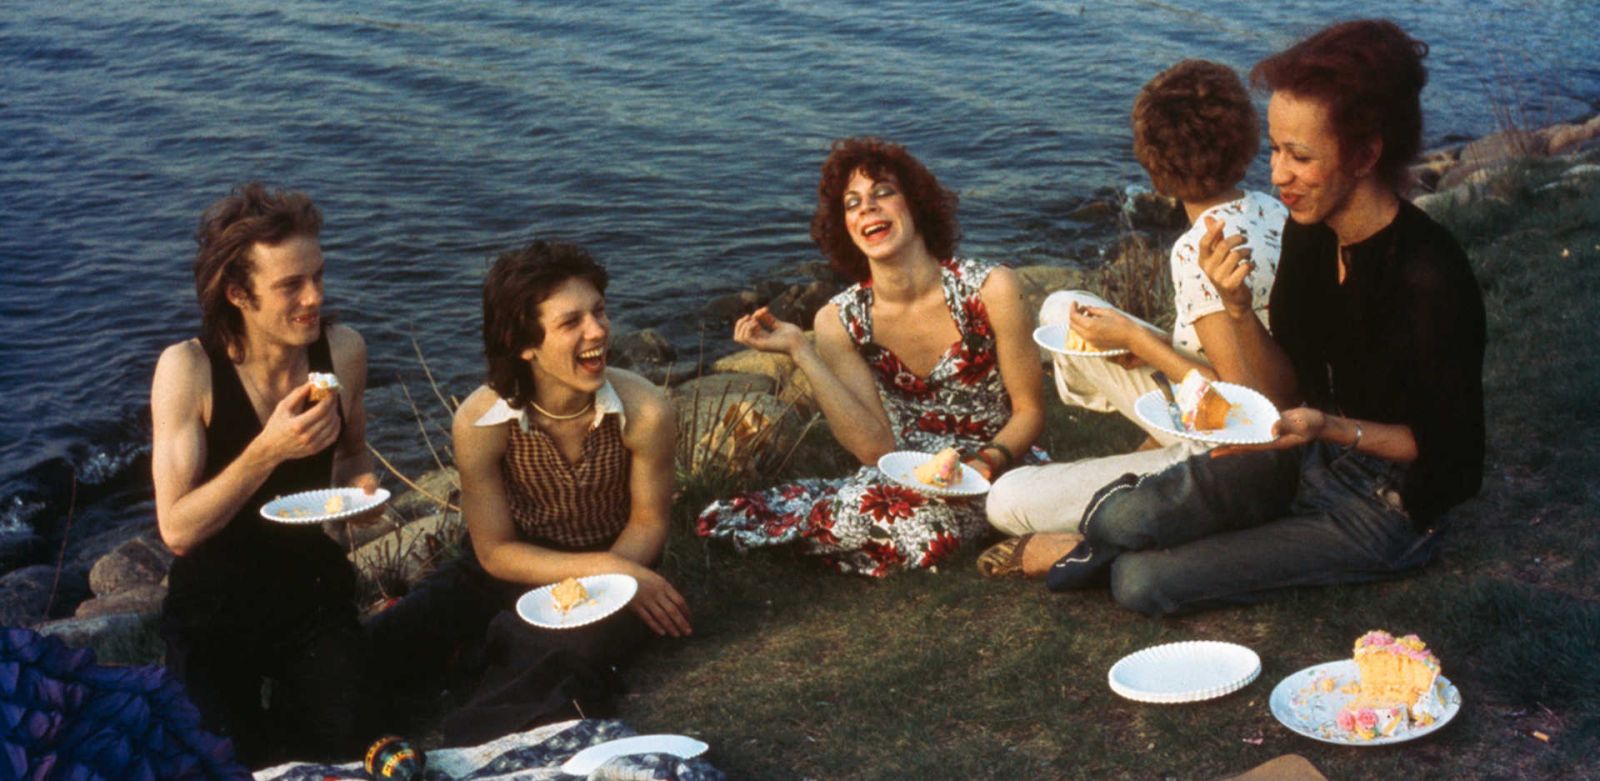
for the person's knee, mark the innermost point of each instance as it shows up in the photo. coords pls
(1006, 504)
(1139, 583)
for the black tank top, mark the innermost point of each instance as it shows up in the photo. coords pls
(255, 567)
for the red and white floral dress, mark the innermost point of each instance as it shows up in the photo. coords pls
(866, 523)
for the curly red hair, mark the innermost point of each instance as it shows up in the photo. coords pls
(1195, 130)
(1369, 76)
(933, 207)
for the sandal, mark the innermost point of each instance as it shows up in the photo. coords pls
(1004, 558)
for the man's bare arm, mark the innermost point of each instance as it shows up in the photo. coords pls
(188, 512)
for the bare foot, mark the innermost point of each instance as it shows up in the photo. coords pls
(1044, 550)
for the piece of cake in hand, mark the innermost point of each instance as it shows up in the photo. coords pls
(323, 384)
(941, 471)
(1077, 343)
(1203, 408)
(1396, 688)
(568, 594)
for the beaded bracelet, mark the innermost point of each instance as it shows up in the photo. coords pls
(1005, 452)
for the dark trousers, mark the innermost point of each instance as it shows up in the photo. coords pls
(530, 676)
(279, 691)
(1210, 531)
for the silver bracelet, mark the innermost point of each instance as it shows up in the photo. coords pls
(1357, 443)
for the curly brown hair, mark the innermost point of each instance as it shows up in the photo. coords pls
(1195, 130)
(1369, 76)
(932, 206)
(516, 286)
(249, 215)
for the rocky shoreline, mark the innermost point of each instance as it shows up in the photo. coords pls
(730, 411)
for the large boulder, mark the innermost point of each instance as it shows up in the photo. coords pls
(94, 630)
(644, 348)
(1153, 211)
(25, 594)
(735, 433)
(724, 385)
(435, 488)
(142, 599)
(793, 387)
(1572, 136)
(139, 561)
(726, 309)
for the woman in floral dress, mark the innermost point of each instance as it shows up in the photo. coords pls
(926, 351)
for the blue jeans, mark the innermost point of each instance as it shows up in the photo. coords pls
(1211, 531)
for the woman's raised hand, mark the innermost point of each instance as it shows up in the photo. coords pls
(1227, 267)
(762, 331)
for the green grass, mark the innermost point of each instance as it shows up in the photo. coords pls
(797, 672)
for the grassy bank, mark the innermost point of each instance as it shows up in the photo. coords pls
(796, 672)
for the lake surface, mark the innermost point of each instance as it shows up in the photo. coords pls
(678, 141)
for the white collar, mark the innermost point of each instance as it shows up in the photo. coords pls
(606, 402)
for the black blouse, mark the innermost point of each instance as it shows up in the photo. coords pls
(1401, 341)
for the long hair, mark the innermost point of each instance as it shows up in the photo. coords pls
(932, 206)
(1369, 76)
(229, 228)
(516, 286)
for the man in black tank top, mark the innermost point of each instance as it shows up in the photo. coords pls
(260, 619)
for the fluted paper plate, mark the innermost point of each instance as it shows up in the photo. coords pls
(1299, 703)
(607, 594)
(1249, 422)
(1184, 672)
(312, 506)
(901, 465)
(590, 759)
(1054, 339)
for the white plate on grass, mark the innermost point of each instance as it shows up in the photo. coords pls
(900, 466)
(1301, 705)
(327, 504)
(1249, 422)
(590, 759)
(1054, 339)
(1184, 672)
(607, 594)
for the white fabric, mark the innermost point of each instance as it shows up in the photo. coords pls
(1052, 497)
(1260, 217)
(606, 402)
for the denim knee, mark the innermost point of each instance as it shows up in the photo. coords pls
(1125, 518)
(1139, 583)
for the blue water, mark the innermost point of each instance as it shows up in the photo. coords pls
(679, 141)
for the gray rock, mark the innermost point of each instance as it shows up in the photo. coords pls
(640, 348)
(793, 387)
(142, 599)
(438, 485)
(1095, 212)
(94, 630)
(1153, 211)
(25, 594)
(728, 308)
(735, 433)
(724, 385)
(140, 561)
(1504, 147)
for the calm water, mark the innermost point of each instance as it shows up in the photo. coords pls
(678, 141)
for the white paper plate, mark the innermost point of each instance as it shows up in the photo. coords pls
(1184, 672)
(312, 506)
(1054, 339)
(899, 465)
(590, 759)
(1302, 706)
(1249, 422)
(607, 594)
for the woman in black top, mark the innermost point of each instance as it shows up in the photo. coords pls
(1377, 312)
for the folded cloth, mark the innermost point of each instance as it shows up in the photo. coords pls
(63, 716)
(534, 755)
